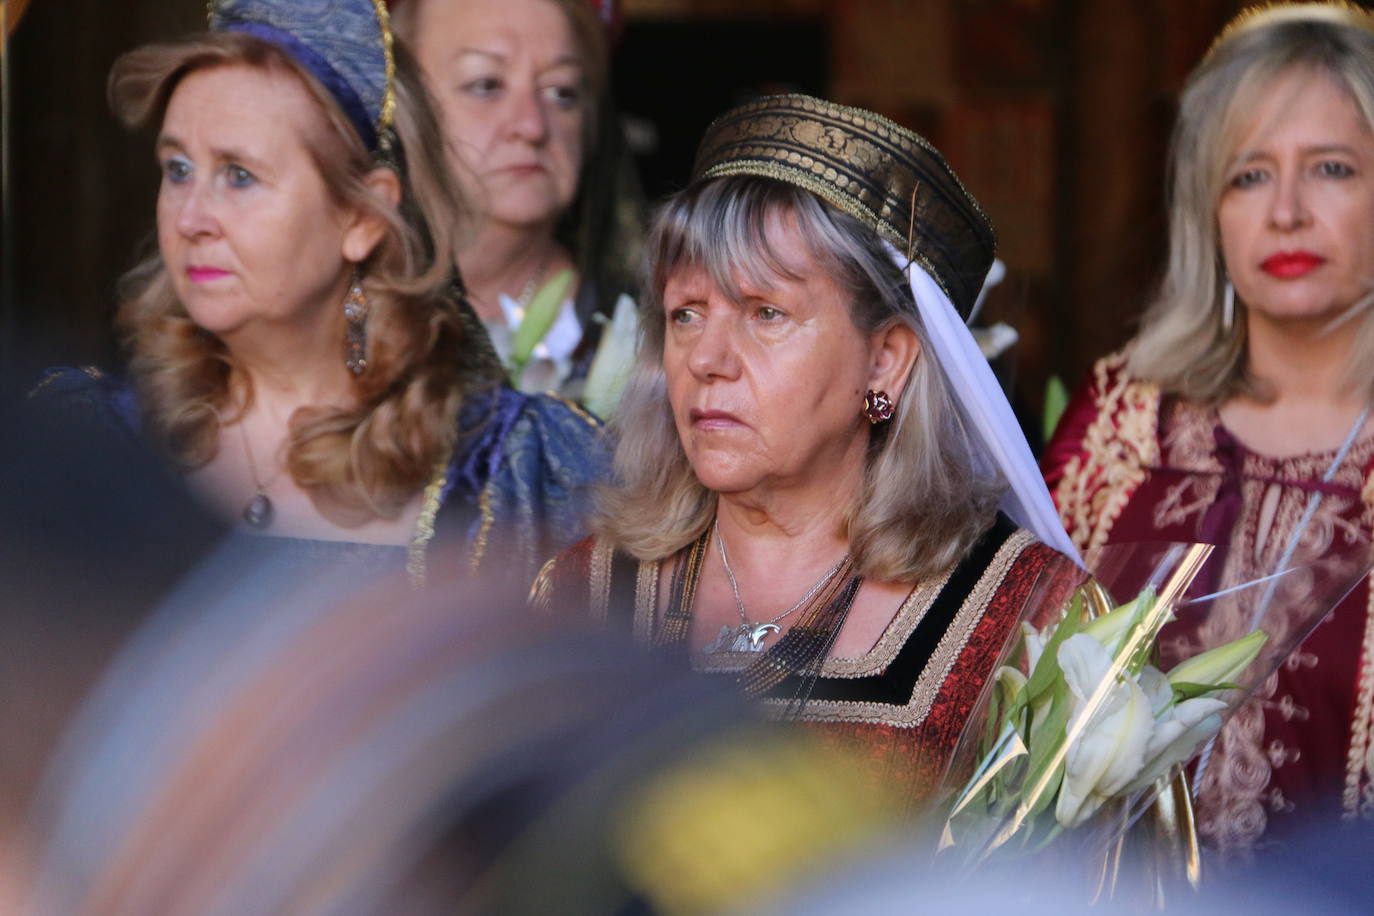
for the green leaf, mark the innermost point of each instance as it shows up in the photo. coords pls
(1047, 670)
(1046, 754)
(1056, 402)
(540, 315)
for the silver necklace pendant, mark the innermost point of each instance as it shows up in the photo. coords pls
(258, 512)
(747, 637)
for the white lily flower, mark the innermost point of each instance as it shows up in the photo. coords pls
(1109, 751)
(1156, 686)
(1177, 734)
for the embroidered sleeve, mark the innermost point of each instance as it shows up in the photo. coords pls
(1100, 453)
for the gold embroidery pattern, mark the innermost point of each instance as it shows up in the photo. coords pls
(871, 168)
(600, 579)
(941, 661)
(646, 600)
(1118, 446)
(1358, 798)
(909, 616)
(1236, 795)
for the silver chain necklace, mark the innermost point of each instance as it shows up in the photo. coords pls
(748, 637)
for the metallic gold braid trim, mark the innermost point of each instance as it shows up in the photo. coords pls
(387, 116)
(827, 191)
(599, 577)
(941, 661)
(416, 551)
(541, 592)
(577, 409)
(876, 123)
(1119, 444)
(1358, 797)
(479, 544)
(909, 616)
(1336, 12)
(646, 600)
(53, 376)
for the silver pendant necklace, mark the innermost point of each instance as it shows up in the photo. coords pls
(749, 637)
(258, 511)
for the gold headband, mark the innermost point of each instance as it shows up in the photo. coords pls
(882, 174)
(1335, 12)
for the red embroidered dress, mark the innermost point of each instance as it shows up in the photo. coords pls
(1129, 465)
(904, 703)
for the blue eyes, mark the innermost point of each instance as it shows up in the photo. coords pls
(178, 171)
(1327, 168)
(238, 176)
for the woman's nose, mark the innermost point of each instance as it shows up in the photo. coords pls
(195, 216)
(1288, 210)
(715, 352)
(528, 120)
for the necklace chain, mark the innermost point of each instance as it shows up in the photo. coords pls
(258, 511)
(739, 600)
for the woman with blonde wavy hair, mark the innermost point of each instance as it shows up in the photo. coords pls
(298, 346)
(1240, 414)
(812, 450)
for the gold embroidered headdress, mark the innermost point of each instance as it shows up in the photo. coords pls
(1337, 12)
(876, 171)
(892, 180)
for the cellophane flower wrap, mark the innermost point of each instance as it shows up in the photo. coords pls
(1091, 716)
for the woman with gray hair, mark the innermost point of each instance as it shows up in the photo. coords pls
(812, 450)
(1239, 416)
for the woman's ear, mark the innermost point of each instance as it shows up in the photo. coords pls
(366, 226)
(895, 351)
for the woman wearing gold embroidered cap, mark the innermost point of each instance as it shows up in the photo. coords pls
(1240, 414)
(296, 345)
(812, 450)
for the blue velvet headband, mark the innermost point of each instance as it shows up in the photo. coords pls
(345, 44)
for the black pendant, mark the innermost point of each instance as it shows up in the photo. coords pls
(258, 512)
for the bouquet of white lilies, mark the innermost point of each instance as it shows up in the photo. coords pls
(1083, 724)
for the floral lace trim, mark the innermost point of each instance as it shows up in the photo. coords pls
(1119, 444)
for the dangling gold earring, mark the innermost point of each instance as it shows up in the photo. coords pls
(355, 325)
(877, 407)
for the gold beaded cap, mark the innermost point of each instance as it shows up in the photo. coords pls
(1263, 15)
(877, 171)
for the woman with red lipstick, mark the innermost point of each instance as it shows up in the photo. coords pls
(823, 494)
(533, 141)
(1240, 414)
(297, 345)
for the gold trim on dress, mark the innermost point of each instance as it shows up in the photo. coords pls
(1357, 799)
(479, 544)
(646, 600)
(936, 671)
(417, 550)
(1119, 444)
(603, 553)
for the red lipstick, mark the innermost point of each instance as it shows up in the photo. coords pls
(1289, 265)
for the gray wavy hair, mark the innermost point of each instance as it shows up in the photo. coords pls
(1183, 345)
(922, 504)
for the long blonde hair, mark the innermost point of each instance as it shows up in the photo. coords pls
(922, 504)
(1183, 345)
(358, 462)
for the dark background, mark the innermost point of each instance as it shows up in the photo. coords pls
(1055, 113)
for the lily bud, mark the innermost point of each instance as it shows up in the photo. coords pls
(1221, 665)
